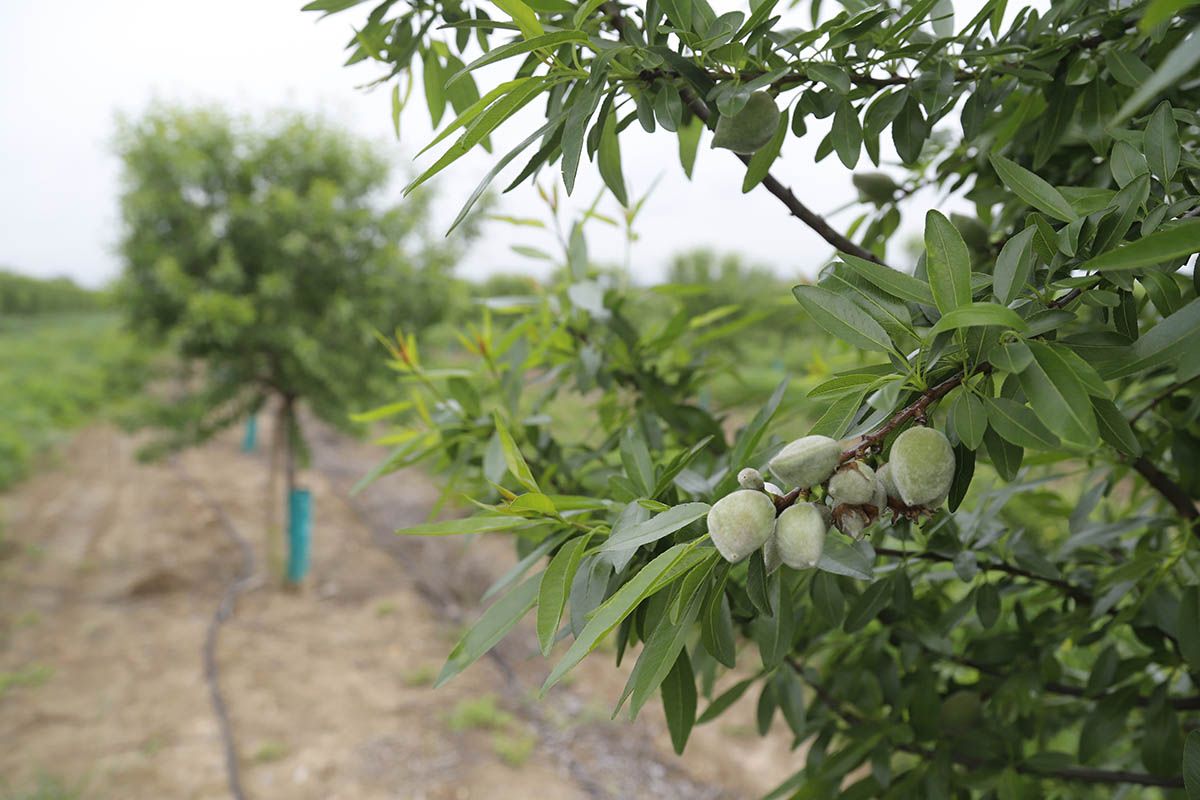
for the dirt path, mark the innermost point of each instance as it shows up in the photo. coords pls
(111, 573)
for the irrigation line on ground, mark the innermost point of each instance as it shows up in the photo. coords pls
(223, 612)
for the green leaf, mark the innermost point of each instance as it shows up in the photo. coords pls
(1114, 428)
(433, 80)
(1058, 397)
(909, 131)
(656, 527)
(1162, 143)
(969, 418)
(635, 456)
(948, 263)
(1014, 265)
(547, 41)
(1170, 72)
(724, 701)
(847, 134)
(764, 157)
(555, 585)
(610, 613)
(839, 416)
(1019, 425)
(977, 315)
(749, 437)
(483, 122)
(679, 701)
(1032, 189)
(868, 605)
(888, 280)
(1005, 457)
(1167, 244)
(659, 655)
(1188, 626)
(716, 627)
(689, 144)
(756, 583)
(828, 598)
(455, 527)
(609, 159)
(832, 76)
(843, 318)
(512, 456)
(1191, 765)
(523, 15)
(1163, 344)
(491, 627)
(987, 605)
(842, 559)
(1160, 11)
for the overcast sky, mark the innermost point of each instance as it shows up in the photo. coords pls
(70, 67)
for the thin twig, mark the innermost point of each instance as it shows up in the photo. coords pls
(785, 195)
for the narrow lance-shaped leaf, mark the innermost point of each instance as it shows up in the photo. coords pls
(552, 592)
(657, 527)
(513, 458)
(495, 623)
(979, 315)
(1014, 266)
(893, 282)
(1167, 244)
(1032, 189)
(613, 610)
(1059, 398)
(948, 263)
(1162, 143)
(842, 318)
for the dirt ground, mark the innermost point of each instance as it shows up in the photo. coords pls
(110, 572)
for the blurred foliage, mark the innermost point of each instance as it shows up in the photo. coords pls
(56, 370)
(22, 294)
(266, 255)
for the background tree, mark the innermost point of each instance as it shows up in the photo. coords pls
(267, 255)
(1040, 635)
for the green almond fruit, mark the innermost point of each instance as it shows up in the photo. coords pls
(740, 523)
(800, 535)
(853, 484)
(806, 461)
(922, 466)
(748, 130)
(771, 557)
(750, 478)
(884, 474)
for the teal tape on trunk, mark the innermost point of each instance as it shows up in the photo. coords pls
(299, 534)
(251, 437)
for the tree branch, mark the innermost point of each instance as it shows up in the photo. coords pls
(1078, 593)
(785, 195)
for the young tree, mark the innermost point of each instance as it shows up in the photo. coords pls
(267, 256)
(1012, 607)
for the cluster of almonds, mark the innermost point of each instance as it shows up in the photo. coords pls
(916, 480)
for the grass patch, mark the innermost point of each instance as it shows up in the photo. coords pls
(419, 676)
(30, 677)
(478, 713)
(268, 752)
(513, 749)
(45, 788)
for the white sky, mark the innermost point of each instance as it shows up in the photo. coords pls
(68, 68)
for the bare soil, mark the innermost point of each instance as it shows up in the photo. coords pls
(110, 571)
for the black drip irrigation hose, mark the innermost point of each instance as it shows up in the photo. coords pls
(224, 611)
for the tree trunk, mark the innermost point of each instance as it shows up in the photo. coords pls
(274, 531)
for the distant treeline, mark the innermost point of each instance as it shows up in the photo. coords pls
(21, 294)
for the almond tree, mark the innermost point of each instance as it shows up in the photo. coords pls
(1011, 606)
